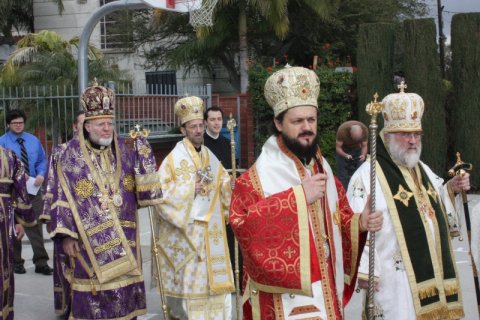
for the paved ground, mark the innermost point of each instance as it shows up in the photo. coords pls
(34, 292)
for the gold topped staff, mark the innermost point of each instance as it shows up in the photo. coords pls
(373, 109)
(144, 133)
(231, 124)
(460, 168)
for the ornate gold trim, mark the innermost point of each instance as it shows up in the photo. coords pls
(60, 203)
(99, 228)
(62, 230)
(107, 245)
(128, 224)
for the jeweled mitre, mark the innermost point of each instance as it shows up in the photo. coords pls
(292, 87)
(189, 108)
(98, 102)
(403, 111)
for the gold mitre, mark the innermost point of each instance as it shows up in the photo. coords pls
(189, 108)
(292, 87)
(403, 111)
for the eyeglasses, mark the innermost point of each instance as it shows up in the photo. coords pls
(409, 135)
(200, 126)
(16, 122)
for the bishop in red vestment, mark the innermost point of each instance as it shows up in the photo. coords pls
(300, 240)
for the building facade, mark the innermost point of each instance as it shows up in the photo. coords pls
(105, 36)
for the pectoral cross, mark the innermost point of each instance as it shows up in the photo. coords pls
(204, 176)
(206, 180)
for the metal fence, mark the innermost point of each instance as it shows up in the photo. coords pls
(51, 110)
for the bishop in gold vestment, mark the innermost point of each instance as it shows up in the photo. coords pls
(195, 262)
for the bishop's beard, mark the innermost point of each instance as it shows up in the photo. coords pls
(406, 158)
(305, 153)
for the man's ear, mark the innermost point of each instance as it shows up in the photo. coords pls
(278, 125)
(183, 131)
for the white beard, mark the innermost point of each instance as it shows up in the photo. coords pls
(409, 157)
(100, 141)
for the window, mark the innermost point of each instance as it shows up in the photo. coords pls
(115, 29)
(161, 82)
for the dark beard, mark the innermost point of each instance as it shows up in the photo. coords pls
(304, 153)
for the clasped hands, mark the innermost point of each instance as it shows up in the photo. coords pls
(314, 188)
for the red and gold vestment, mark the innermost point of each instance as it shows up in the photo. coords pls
(299, 259)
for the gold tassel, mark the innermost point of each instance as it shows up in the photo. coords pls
(451, 290)
(457, 313)
(438, 313)
(427, 293)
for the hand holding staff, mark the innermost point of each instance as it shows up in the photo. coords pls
(373, 108)
(461, 183)
(144, 133)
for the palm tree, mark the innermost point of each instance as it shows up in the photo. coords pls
(44, 64)
(18, 15)
(45, 58)
(215, 42)
(275, 13)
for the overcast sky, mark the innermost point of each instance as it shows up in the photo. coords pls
(450, 8)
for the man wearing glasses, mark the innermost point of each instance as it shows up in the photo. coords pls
(29, 150)
(415, 272)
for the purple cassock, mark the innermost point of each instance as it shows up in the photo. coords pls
(14, 208)
(92, 195)
(61, 287)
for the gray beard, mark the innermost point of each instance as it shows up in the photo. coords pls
(409, 160)
(101, 141)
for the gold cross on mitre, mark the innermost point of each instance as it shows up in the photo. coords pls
(402, 86)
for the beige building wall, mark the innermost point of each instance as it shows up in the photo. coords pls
(71, 22)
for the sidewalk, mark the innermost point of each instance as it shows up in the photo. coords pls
(34, 292)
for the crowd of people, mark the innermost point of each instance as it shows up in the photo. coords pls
(302, 232)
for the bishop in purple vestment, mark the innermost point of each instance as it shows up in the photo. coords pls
(15, 212)
(98, 182)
